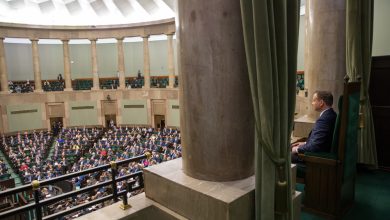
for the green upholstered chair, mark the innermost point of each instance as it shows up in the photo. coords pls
(5, 176)
(329, 178)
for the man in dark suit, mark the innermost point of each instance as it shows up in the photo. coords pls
(320, 138)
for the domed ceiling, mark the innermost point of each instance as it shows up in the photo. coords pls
(84, 12)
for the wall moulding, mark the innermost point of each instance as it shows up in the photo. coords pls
(86, 32)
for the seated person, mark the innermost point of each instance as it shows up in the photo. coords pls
(320, 138)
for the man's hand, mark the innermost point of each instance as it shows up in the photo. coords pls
(297, 144)
(294, 150)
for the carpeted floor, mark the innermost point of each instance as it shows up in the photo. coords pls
(372, 197)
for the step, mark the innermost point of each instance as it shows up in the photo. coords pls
(170, 194)
(141, 208)
(293, 177)
(167, 185)
(296, 209)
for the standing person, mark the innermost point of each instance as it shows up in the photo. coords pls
(321, 136)
(59, 77)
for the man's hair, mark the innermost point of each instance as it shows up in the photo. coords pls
(325, 96)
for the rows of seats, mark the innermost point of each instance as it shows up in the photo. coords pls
(77, 149)
(82, 84)
(26, 152)
(58, 85)
(71, 145)
(135, 82)
(20, 87)
(160, 82)
(109, 84)
(300, 83)
(4, 173)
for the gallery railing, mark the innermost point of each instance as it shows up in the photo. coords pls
(39, 203)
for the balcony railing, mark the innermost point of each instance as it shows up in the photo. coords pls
(38, 204)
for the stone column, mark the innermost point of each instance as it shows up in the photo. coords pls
(171, 67)
(3, 68)
(146, 62)
(36, 66)
(121, 64)
(67, 74)
(216, 115)
(324, 49)
(94, 65)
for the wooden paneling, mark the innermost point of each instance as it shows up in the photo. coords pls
(55, 110)
(158, 107)
(109, 107)
(381, 116)
(379, 92)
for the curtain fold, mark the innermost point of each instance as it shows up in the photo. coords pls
(358, 52)
(271, 41)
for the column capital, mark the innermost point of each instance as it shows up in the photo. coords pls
(34, 39)
(65, 40)
(92, 39)
(145, 36)
(2, 38)
(120, 38)
(170, 33)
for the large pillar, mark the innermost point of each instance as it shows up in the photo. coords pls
(216, 115)
(146, 62)
(94, 65)
(324, 49)
(3, 68)
(36, 66)
(171, 68)
(67, 74)
(121, 63)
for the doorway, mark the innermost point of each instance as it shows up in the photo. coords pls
(110, 121)
(159, 121)
(56, 124)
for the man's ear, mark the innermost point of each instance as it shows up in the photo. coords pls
(322, 103)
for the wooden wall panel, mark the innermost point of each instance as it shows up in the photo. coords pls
(109, 107)
(56, 109)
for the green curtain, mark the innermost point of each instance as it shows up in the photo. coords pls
(271, 40)
(358, 50)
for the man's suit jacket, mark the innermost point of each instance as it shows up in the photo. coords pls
(320, 138)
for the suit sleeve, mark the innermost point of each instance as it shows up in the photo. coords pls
(319, 136)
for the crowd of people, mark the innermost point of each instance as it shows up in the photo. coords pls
(20, 87)
(26, 87)
(53, 86)
(59, 84)
(3, 168)
(77, 149)
(137, 82)
(80, 149)
(26, 152)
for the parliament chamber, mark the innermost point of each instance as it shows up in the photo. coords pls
(143, 109)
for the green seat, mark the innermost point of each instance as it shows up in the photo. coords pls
(329, 178)
(5, 176)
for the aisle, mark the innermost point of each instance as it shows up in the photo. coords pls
(18, 181)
